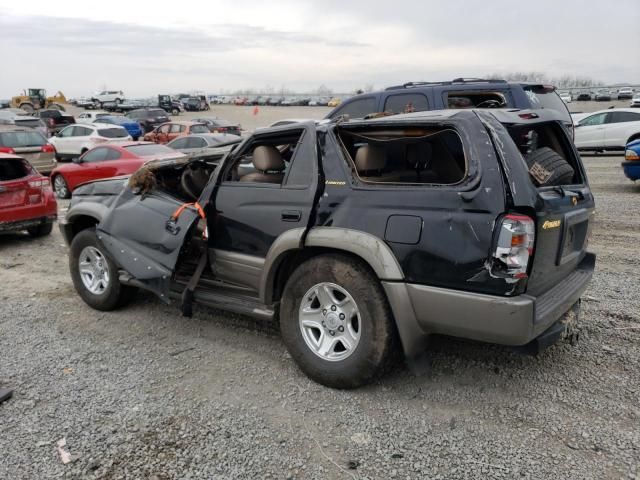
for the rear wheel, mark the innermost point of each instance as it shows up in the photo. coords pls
(175, 111)
(40, 230)
(95, 275)
(60, 186)
(633, 138)
(547, 168)
(336, 322)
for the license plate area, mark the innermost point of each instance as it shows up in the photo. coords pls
(573, 237)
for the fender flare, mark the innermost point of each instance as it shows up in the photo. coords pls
(371, 249)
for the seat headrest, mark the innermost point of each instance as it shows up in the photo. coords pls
(370, 157)
(267, 157)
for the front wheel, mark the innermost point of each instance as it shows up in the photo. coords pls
(60, 187)
(175, 111)
(336, 322)
(95, 275)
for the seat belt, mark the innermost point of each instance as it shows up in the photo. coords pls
(187, 295)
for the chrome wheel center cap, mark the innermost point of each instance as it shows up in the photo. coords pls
(333, 321)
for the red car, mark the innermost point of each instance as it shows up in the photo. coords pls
(105, 161)
(26, 199)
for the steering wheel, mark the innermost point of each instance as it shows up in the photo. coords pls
(490, 104)
(194, 178)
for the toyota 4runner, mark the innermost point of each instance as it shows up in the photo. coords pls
(471, 223)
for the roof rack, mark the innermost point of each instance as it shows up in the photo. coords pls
(454, 81)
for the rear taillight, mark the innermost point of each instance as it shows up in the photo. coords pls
(514, 247)
(7, 150)
(48, 148)
(630, 155)
(40, 183)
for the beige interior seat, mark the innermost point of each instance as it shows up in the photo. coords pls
(370, 160)
(269, 164)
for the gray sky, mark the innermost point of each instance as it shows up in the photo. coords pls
(146, 48)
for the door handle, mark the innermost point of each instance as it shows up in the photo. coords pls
(291, 215)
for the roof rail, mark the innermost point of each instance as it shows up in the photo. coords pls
(455, 80)
(476, 80)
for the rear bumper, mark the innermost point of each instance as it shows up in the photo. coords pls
(15, 226)
(631, 170)
(421, 310)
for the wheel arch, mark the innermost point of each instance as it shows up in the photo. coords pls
(292, 248)
(80, 219)
(633, 137)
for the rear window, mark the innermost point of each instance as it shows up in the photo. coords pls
(478, 99)
(149, 150)
(534, 140)
(199, 129)
(22, 139)
(113, 132)
(30, 122)
(13, 169)
(547, 97)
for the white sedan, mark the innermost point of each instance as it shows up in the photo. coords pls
(74, 140)
(607, 129)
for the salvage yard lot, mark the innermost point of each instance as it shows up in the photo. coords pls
(144, 393)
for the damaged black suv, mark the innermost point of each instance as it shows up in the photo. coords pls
(351, 234)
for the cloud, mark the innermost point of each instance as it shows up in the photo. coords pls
(303, 44)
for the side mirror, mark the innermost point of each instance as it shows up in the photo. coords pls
(76, 160)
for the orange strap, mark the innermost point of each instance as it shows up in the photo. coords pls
(182, 207)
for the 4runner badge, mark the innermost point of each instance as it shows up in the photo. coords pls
(335, 182)
(551, 224)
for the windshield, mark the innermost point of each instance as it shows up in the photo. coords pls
(113, 132)
(22, 139)
(149, 150)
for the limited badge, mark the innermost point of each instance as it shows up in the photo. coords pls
(540, 173)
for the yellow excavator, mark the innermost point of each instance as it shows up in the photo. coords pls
(36, 98)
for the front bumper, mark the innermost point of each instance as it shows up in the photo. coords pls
(421, 310)
(631, 170)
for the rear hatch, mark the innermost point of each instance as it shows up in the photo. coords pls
(546, 96)
(563, 212)
(15, 174)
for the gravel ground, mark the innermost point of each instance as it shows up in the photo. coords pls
(142, 393)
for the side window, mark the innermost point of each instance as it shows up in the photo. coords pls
(179, 143)
(83, 115)
(593, 120)
(358, 108)
(267, 161)
(406, 103)
(96, 155)
(66, 132)
(621, 117)
(81, 131)
(196, 142)
(434, 156)
(164, 128)
(175, 128)
(113, 154)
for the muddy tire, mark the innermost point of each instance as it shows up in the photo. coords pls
(548, 159)
(336, 322)
(95, 275)
(41, 230)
